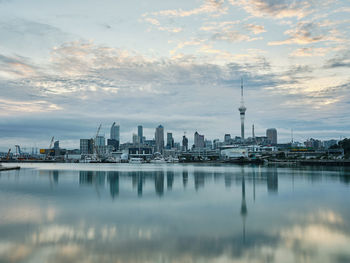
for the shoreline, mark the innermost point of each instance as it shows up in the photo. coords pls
(237, 162)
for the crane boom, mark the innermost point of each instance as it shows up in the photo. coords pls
(49, 150)
(95, 140)
(8, 154)
(52, 139)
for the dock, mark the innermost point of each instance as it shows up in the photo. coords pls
(4, 168)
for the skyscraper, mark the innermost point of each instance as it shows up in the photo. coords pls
(159, 138)
(242, 110)
(198, 140)
(115, 132)
(135, 139)
(169, 140)
(271, 135)
(184, 143)
(140, 133)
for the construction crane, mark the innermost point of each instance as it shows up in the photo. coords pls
(8, 155)
(49, 150)
(96, 152)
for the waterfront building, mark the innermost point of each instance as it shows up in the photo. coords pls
(271, 135)
(208, 144)
(135, 139)
(56, 147)
(169, 140)
(151, 143)
(217, 144)
(313, 143)
(227, 138)
(86, 146)
(198, 140)
(261, 140)
(184, 143)
(115, 132)
(114, 143)
(159, 138)
(140, 133)
(177, 146)
(242, 109)
(100, 141)
(329, 143)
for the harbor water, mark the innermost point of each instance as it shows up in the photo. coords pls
(58, 212)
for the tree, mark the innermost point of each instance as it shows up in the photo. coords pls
(345, 144)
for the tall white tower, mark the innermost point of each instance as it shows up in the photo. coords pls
(242, 110)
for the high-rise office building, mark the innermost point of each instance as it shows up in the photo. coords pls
(115, 130)
(184, 143)
(86, 146)
(159, 138)
(242, 110)
(114, 143)
(227, 138)
(169, 140)
(135, 139)
(140, 133)
(100, 141)
(271, 135)
(198, 140)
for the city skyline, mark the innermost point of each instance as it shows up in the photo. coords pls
(65, 68)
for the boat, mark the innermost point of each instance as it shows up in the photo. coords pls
(158, 160)
(172, 160)
(136, 160)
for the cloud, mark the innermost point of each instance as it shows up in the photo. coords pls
(214, 7)
(157, 24)
(275, 8)
(308, 33)
(16, 66)
(341, 60)
(231, 31)
(310, 52)
(256, 29)
(233, 36)
(9, 107)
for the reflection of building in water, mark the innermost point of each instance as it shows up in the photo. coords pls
(272, 181)
(55, 176)
(184, 178)
(169, 180)
(137, 181)
(85, 177)
(159, 183)
(244, 210)
(198, 180)
(228, 180)
(113, 179)
(139, 184)
(89, 177)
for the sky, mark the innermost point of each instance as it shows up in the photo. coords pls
(67, 66)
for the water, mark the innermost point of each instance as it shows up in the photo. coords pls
(174, 213)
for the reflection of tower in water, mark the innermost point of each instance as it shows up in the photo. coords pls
(113, 179)
(55, 176)
(169, 180)
(244, 210)
(198, 180)
(159, 182)
(184, 178)
(272, 181)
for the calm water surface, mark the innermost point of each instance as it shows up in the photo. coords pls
(174, 213)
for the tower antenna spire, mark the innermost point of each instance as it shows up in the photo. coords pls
(242, 110)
